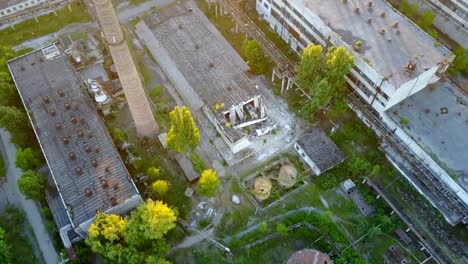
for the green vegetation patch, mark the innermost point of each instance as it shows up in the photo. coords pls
(13, 222)
(2, 166)
(46, 24)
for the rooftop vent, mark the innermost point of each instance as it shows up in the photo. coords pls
(369, 20)
(76, 106)
(410, 67)
(356, 10)
(65, 140)
(78, 171)
(88, 192)
(382, 14)
(46, 99)
(397, 32)
(97, 150)
(382, 31)
(58, 126)
(88, 149)
(61, 93)
(395, 25)
(389, 39)
(370, 6)
(73, 120)
(107, 169)
(94, 163)
(81, 133)
(52, 112)
(104, 184)
(71, 156)
(67, 106)
(82, 120)
(113, 201)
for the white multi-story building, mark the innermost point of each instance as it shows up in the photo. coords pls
(452, 17)
(394, 59)
(11, 7)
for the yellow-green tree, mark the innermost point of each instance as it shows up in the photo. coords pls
(153, 173)
(138, 239)
(160, 187)
(106, 237)
(208, 183)
(151, 220)
(183, 135)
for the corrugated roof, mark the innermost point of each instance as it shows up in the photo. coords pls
(96, 162)
(321, 149)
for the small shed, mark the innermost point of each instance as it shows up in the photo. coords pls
(403, 236)
(309, 256)
(349, 187)
(318, 151)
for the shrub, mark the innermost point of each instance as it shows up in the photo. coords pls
(282, 229)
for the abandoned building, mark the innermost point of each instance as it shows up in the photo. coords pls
(86, 172)
(12, 7)
(208, 76)
(394, 59)
(318, 151)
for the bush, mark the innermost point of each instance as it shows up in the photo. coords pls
(282, 229)
(197, 162)
(404, 121)
(160, 187)
(263, 227)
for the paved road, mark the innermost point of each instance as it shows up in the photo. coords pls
(13, 195)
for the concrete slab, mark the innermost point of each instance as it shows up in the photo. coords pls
(443, 135)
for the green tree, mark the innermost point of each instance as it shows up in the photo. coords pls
(339, 63)
(309, 69)
(408, 9)
(32, 185)
(17, 123)
(118, 134)
(160, 187)
(153, 173)
(460, 63)
(255, 57)
(8, 93)
(28, 159)
(282, 229)
(208, 183)
(5, 250)
(183, 135)
(136, 240)
(425, 19)
(374, 232)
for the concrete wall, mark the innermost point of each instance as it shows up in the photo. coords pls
(307, 159)
(20, 7)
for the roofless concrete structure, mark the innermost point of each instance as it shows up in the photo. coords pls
(134, 92)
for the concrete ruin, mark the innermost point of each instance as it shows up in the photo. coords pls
(209, 77)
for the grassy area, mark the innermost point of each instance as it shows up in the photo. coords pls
(13, 223)
(2, 166)
(46, 24)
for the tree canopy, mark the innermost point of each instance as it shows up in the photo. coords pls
(183, 135)
(153, 173)
(134, 240)
(32, 185)
(322, 77)
(208, 183)
(5, 250)
(255, 57)
(28, 159)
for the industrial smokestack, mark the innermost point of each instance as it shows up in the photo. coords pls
(134, 92)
